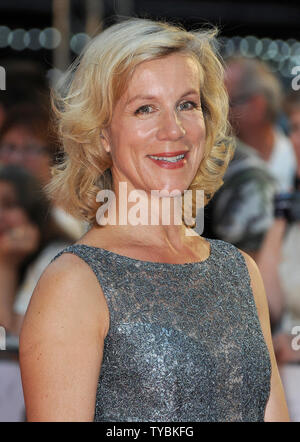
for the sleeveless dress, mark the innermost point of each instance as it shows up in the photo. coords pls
(184, 343)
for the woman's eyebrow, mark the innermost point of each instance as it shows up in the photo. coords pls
(140, 97)
(152, 97)
(190, 92)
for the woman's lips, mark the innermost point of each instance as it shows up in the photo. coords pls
(165, 164)
(169, 165)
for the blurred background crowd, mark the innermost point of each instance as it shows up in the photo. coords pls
(258, 207)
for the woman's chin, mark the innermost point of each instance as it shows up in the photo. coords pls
(170, 189)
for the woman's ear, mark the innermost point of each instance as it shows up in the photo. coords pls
(105, 140)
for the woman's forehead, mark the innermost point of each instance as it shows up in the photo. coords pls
(170, 64)
(174, 72)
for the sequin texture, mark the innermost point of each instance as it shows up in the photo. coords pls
(184, 344)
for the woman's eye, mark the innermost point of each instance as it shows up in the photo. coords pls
(144, 110)
(188, 105)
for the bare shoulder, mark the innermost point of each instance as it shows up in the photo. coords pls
(62, 341)
(68, 291)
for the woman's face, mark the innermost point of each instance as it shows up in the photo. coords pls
(11, 214)
(20, 146)
(157, 133)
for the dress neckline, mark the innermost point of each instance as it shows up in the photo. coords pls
(120, 257)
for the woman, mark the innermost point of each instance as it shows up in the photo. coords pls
(171, 333)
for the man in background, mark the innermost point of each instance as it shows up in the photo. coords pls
(242, 211)
(255, 106)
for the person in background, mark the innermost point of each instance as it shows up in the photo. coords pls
(289, 257)
(25, 82)
(241, 211)
(292, 109)
(255, 95)
(29, 238)
(27, 139)
(284, 251)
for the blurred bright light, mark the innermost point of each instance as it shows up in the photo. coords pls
(271, 52)
(286, 68)
(295, 49)
(258, 48)
(50, 38)
(285, 50)
(78, 42)
(244, 47)
(4, 33)
(229, 47)
(31, 39)
(265, 48)
(16, 39)
(236, 42)
(251, 43)
(281, 56)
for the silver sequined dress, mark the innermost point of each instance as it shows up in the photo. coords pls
(184, 343)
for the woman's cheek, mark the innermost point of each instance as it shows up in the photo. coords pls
(145, 129)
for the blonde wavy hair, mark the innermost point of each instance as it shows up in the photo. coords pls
(84, 100)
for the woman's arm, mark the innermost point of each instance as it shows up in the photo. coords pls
(276, 409)
(61, 343)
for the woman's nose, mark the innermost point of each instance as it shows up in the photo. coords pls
(170, 128)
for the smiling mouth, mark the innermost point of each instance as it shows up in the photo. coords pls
(169, 160)
(170, 157)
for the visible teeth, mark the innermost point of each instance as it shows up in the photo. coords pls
(170, 159)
